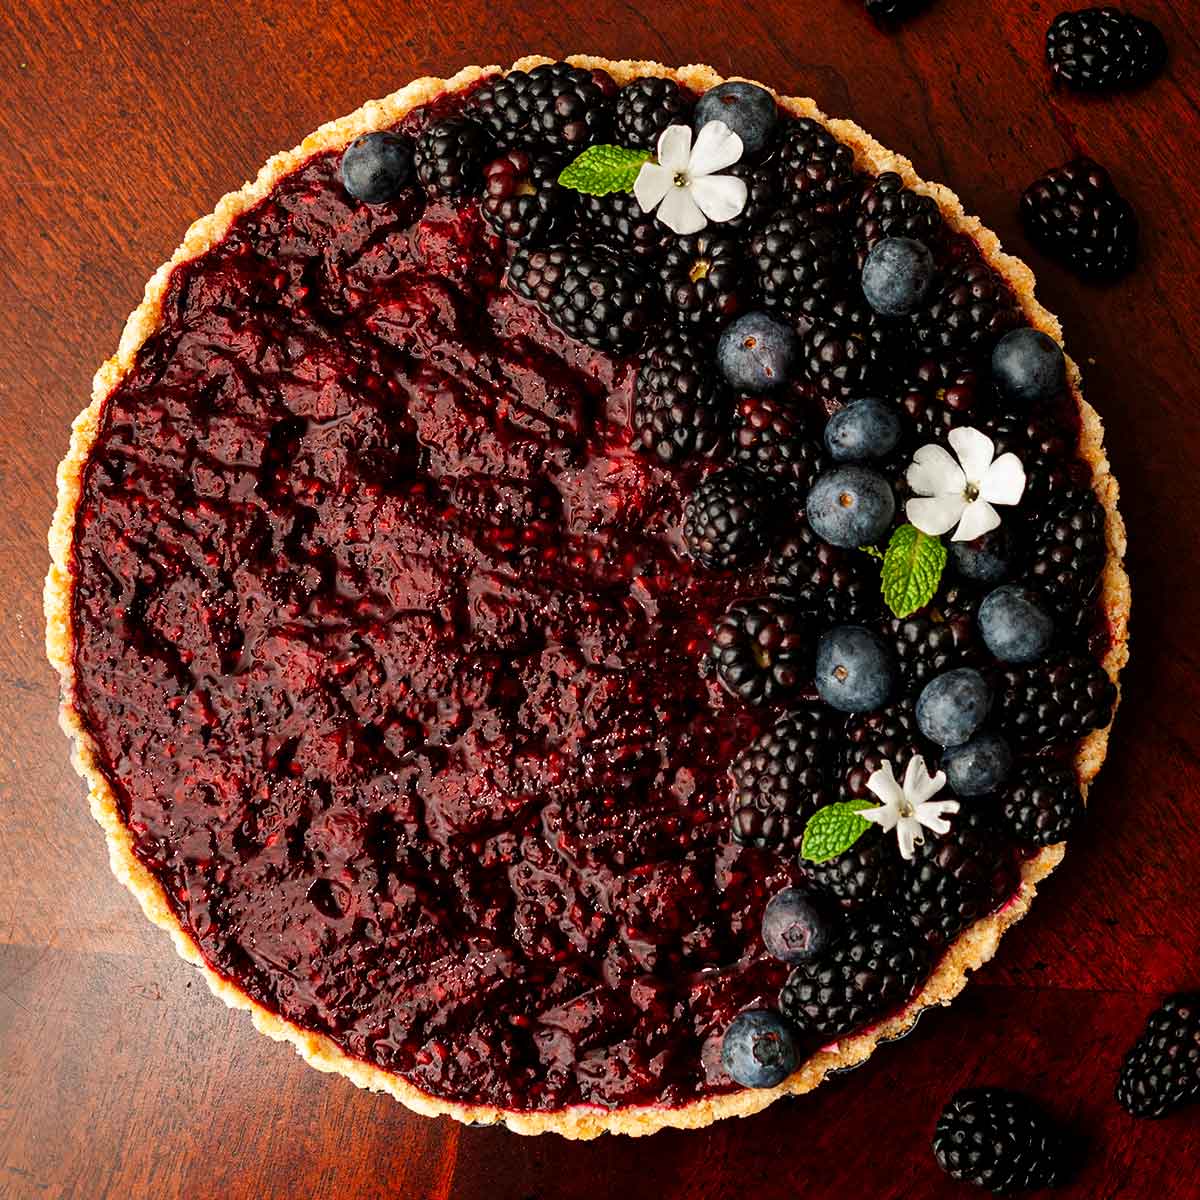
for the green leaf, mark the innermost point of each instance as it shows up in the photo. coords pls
(600, 170)
(912, 567)
(873, 551)
(832, 830)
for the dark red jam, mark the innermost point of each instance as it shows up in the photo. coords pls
(389, 654)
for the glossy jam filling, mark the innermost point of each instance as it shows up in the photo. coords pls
(390, 656)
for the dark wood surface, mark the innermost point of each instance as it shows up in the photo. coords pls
(119, 1074)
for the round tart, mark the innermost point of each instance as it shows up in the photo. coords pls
(439, 614)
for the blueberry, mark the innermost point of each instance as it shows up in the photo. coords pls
(795, 929)
(952, 706)
(988, 559)
(867, 428)
(1016, 627)
(856, 672)
(756, 352)
(376, 166)
(896, 275)
(758, 1049)
(978, 767)
(850, 506)
(746, 108)
(1028, 367)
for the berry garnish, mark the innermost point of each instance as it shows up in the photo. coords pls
(818, 576)
(801, 263)
(978, 767)
(796, 926)
(521, 197)
(953, 706)
(1028, 367)
(1102, 49)
(864, 429)
(851, 506)
(969, 309)
(680, 408)
(896, 275)
(645, 107)
(773, 436)
(815, 169)
(703, 279)
(376, 166)
(1054, 703)
(449, 156)
(616, 221)
(1041, 803)
(1067, 552)
(756, 353)
(1015, 626)
(1074, 213)
(760, 651)
(986, 559)
(749, 110)
(1161, 1072)
(569, 107)
(726, 520)
(758, 1049)
(886, 209)
(855, 670)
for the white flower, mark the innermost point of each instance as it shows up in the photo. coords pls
(963, 491)
(682, 185)
(909, 809)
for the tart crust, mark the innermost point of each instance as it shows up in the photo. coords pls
(974, 947)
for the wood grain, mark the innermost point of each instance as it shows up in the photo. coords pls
(119, 1074)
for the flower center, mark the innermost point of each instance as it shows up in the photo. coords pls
(906, 808)
(971, 492)
(681, 179)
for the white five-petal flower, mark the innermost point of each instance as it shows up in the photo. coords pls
(683, 184)
(961, 495)
(909, 808)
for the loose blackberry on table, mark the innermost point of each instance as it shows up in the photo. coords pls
(1102, 49)
(1161, 1071)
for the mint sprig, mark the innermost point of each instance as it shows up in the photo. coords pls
(912, 567)
(832, 830)
(600, 170)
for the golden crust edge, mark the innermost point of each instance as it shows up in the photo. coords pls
(974, 947)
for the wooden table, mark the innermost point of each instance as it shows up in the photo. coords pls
(119, 1074)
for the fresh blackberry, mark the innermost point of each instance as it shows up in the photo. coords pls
(1102, 49)
(521, 197)
(970, 309)
(1042, 803)
(953, 381)
(928, 420)
(847, 354)
(867, 873)
(1161, 1072)
(870, 739)
(806, 568)
(569, 107)
(955, 879)
(782, 778)
(772, 436)
(1074, 213)
(1054, 703)
(760, 651)
(645, 108)
(680, 408)
(726, 520)
(704, 279)
(1002, 1141)
(1046, 447)
(886, 208)
(593, 298)
(801, 263)
(932, 641)
(762, 197)
(815, 169)
(449, 156)
(1067, 552)
(617, 222)
(501, 105)
(871, 971)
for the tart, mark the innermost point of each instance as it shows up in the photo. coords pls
(436, 619)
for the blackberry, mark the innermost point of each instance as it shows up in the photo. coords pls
(762, 197)
(760, 651)
(955, 879)
(449, 156)
(1054, 703)
(1046, 448)
(1067, 552)
(866, 873)
(618, 222)
(801, 264)
(680, 408)
(890, 734)
(928, 420)
(932, 641)
(815, 169)
(1102, 49)
(521, 197)
(970, 309)
(954, 382)
(1001, 1140)
(871, 971)
(590, 297)
(501, 105)
(1042, 803)
(886, 208)
(569, 107)
(782, 778)
(703, 279)
(645, 108)
(772, 436)
(1161, 1072)
(810, 571)
(725, 520)
(846, 355)
(1074, 213)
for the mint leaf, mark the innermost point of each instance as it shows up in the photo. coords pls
(832, 830)
(912, 567)
(873, 551)
(600, 170)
